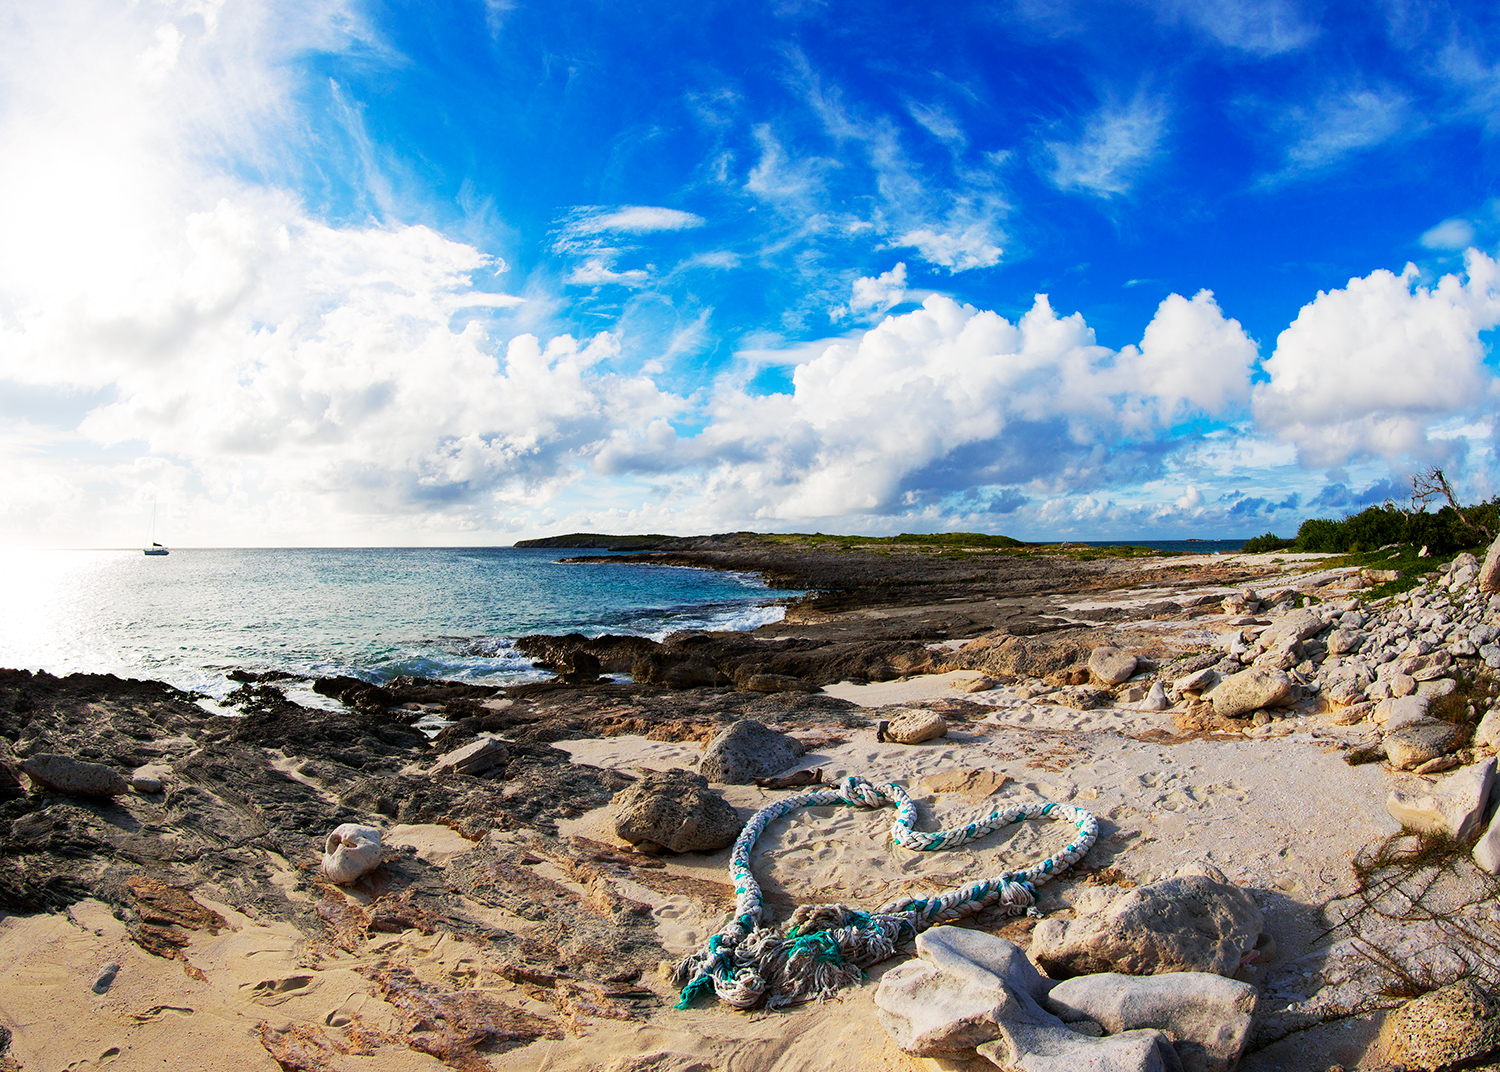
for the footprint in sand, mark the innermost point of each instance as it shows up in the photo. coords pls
(159, 1012)
(275, 991)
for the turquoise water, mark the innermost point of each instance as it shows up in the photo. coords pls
(190, 617)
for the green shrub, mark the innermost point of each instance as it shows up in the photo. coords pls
(1269, 542)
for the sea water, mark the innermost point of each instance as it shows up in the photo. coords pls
(190, 617)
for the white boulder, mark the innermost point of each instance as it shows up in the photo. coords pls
(351, 851)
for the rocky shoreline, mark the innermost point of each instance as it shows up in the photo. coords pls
(1253, 713)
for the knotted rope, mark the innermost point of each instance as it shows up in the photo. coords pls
(825, 947)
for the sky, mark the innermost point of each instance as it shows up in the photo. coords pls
(340, 273)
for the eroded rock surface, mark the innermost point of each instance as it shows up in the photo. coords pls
(677, 811)
(1197, 921)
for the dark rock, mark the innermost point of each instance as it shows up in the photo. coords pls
(352, 692)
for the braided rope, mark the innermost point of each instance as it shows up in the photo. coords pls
(826, 947)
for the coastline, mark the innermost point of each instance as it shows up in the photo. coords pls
(508, 901)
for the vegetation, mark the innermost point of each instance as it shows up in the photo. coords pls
(1444, 532)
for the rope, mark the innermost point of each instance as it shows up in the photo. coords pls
(827, 947)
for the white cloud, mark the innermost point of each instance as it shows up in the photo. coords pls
(632, 219)
(1117, 144)
(1449, 235)
(974, 247)
(878, 293)
(1261, 27)
(1367, 371)
(1342, 123)
(946, 398)
(938, 122)
(596, 271)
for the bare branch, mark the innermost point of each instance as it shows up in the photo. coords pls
(1430, 485)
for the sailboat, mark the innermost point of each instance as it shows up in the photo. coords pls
(155, 548)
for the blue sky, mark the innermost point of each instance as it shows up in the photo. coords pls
(345, 273)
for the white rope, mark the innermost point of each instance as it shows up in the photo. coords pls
(825, 947)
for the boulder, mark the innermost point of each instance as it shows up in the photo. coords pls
(475, 758)
(1413, 745)
(748, 750)
(674, 810)
(1195, 921)
(1035, 1048)
(1397, 711)
(1197, 681)
(350, 851)
(1489, 573)
(1488, 731)
(1453, 807)
(1448, 1028)
(1239, 694)
(1156, 698)
(1207, 1016)
(915, 726)
(954, 997)
(1111, 666)
(1487, 848)
(1443, 686)
(974, 991)
(1293, 627)
(1344, 641)
(76, 777)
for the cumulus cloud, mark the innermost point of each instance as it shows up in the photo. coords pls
(876, 294)
(958, 251)
(950, 397)
(1369, 370)
(1117, 144)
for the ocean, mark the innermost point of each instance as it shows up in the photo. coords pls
(192, 616)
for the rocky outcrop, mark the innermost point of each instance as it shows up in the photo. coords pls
(746, 751)
(481, 757)
(1195, 921)
(1452, 808)
(674, 810)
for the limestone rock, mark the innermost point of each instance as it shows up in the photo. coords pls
(1197, 681)
(982, 683)
(957, 994)
(1453, 807)
(1195, 921)
(746, 751)
(1111, 666)
(1413, 745)
(1207, 1016)
(1249, 690)
(1487, 848)
(1488, 730)
(915, 726)
(1398, 711)
(1343, 641)
(1156, 699)
(1035, 1048)
(674, 810)
(1443, 686)
(928, 1012)
(74, 776)
(772, 683)
(350, 851)
(1489, 573)
(1293, 627)
(475, 758)
(1453, 1026)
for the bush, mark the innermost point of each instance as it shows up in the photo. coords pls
(1269, 542)
(1442, 532)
